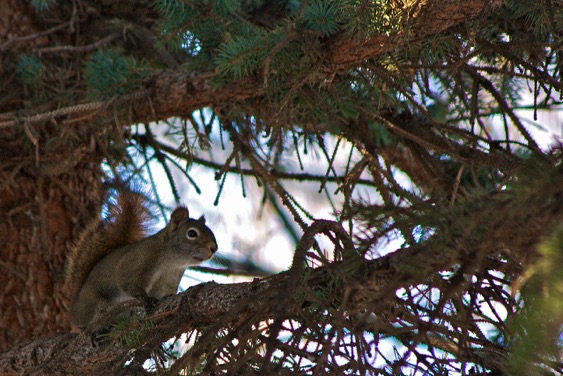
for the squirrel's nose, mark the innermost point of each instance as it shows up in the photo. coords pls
(213, 247)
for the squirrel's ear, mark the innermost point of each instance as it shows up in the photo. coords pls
(178, 215)
(202, 219)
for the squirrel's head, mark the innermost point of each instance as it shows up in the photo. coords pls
(194, 241)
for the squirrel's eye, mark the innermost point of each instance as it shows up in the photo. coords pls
(192, 233)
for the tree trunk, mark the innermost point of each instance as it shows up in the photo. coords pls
(49, 185)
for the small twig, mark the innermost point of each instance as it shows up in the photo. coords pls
(7, 44)
(275, 50)
(226, 165)
(488, 85)
(330, 162)
(456, 184)
(83, 107)
(30, 132)
(80, 49)
(307, 241)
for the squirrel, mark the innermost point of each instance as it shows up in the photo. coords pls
(114, 261)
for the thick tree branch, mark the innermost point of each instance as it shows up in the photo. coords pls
(199, 306)
(176, 93)
(431, 18)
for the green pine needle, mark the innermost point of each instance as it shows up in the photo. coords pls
(29, 69)
(168, 8)
(322, 16)
(41, 5)
(109, 73)
(240, 57)
(225, 7)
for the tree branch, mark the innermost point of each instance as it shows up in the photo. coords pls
(199, 306)
(176, 93)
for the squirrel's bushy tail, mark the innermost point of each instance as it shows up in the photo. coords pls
(126, 224)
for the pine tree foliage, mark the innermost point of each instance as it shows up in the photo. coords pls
(29, 69)
(41, 5)
(443, 252)
(109, 73)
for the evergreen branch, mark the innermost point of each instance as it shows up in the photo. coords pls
(240, 270)
(90, 107)
(161, 158)
(412, 137)
(277, 48)
(488, 85)
(287, 224)
(431, 20)
(505, 50)
(8, 44)
(176, 92)
(81, 49)
(169, 88)
(263, 173)
(142, 139)
(226, 166)
(152, 182)
(330, 161)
